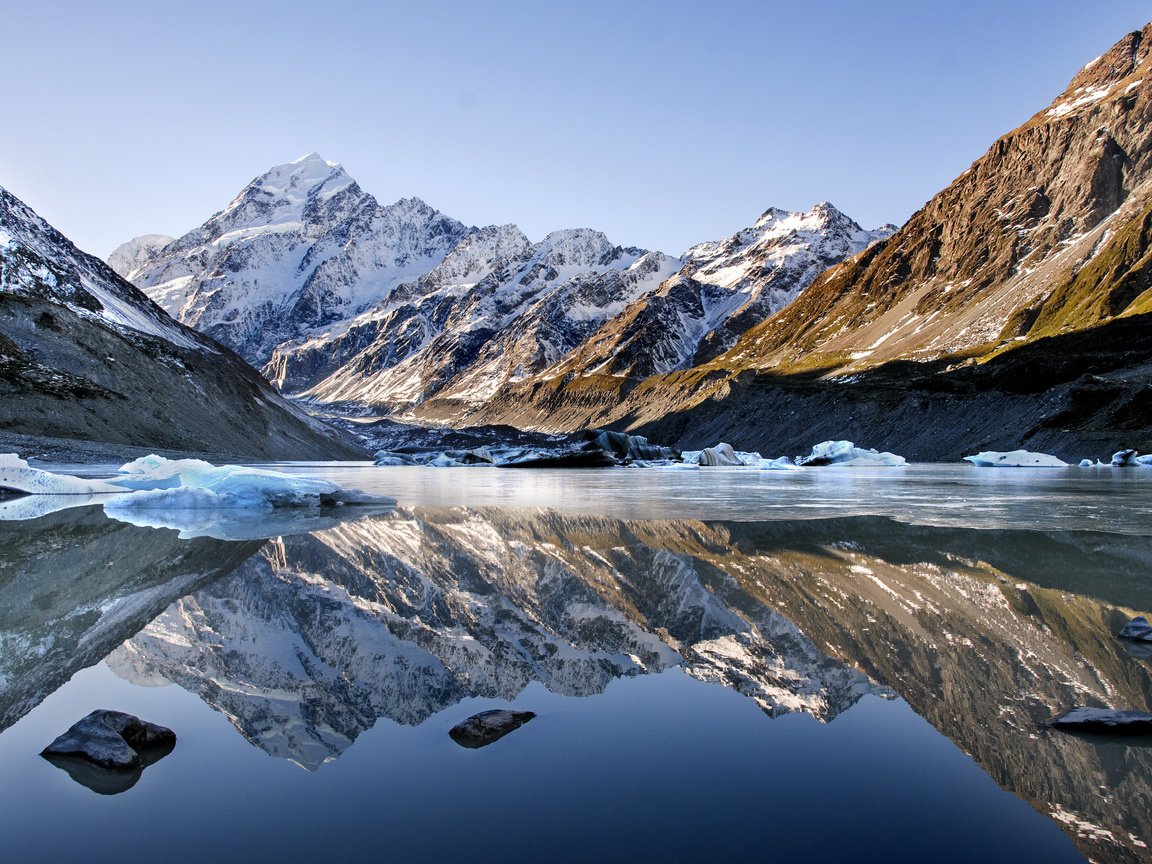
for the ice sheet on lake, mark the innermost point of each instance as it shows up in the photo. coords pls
(17, 476)
(1015, 459)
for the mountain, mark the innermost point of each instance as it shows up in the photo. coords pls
(722, 289)
(1010, 311)
(470, 326)
(345, 302)
(86, 356)
(302, 246)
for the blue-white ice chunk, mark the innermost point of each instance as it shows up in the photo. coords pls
(847, 454)
(1015, 459)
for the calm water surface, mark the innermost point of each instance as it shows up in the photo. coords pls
(834, 665)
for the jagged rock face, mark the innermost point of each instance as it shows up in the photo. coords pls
(84, 355)
(723, 289)
(301, 247)
(997, 256)
(496, 310)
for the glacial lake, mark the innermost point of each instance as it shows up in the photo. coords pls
(725, 664)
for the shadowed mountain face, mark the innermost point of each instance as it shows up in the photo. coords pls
(86, 356)
(987, 634)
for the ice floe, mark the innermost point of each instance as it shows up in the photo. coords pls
(1015, 459)
(189, 495)
(847, 454)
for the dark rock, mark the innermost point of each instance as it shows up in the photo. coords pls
(110, 781)
(484, 728)
(1104, 721)
(110, 739)
(1138, 630)
(596, 458)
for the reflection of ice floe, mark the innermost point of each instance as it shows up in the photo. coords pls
(27, 507)
(847, 454)
(1015, 459)
(238, 523)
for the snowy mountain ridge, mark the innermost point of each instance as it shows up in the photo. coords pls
(301, 246)
(344, 301)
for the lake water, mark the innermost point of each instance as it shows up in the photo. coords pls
(829, 665)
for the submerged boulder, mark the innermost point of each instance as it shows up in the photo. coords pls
(111, 739)
(1138, 630)
(1104, 721)
(484, 728)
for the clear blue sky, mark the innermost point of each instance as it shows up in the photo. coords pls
(662, 124)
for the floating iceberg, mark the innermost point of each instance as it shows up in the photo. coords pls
(1015, 459)
(847, 454)
(782, 463)
(154, 482)
(725, 456)
(1130, 458)
(721, 455)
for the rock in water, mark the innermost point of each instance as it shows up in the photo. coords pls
(1138, 629)
(110, 739)
(1104, 721)
(484, 728)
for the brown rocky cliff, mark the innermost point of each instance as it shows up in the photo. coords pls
(1019, 222)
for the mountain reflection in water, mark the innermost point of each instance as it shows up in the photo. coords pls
(304, 642)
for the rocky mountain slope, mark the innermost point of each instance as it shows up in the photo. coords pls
(1010, 311)
(344, 301)
(722, 290)
(86, 356)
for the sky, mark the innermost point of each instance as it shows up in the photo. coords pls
(663, 124)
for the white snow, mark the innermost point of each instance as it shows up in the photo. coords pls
(1015, 459)
(1082, 96)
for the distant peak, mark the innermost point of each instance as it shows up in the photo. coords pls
(314, 158)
